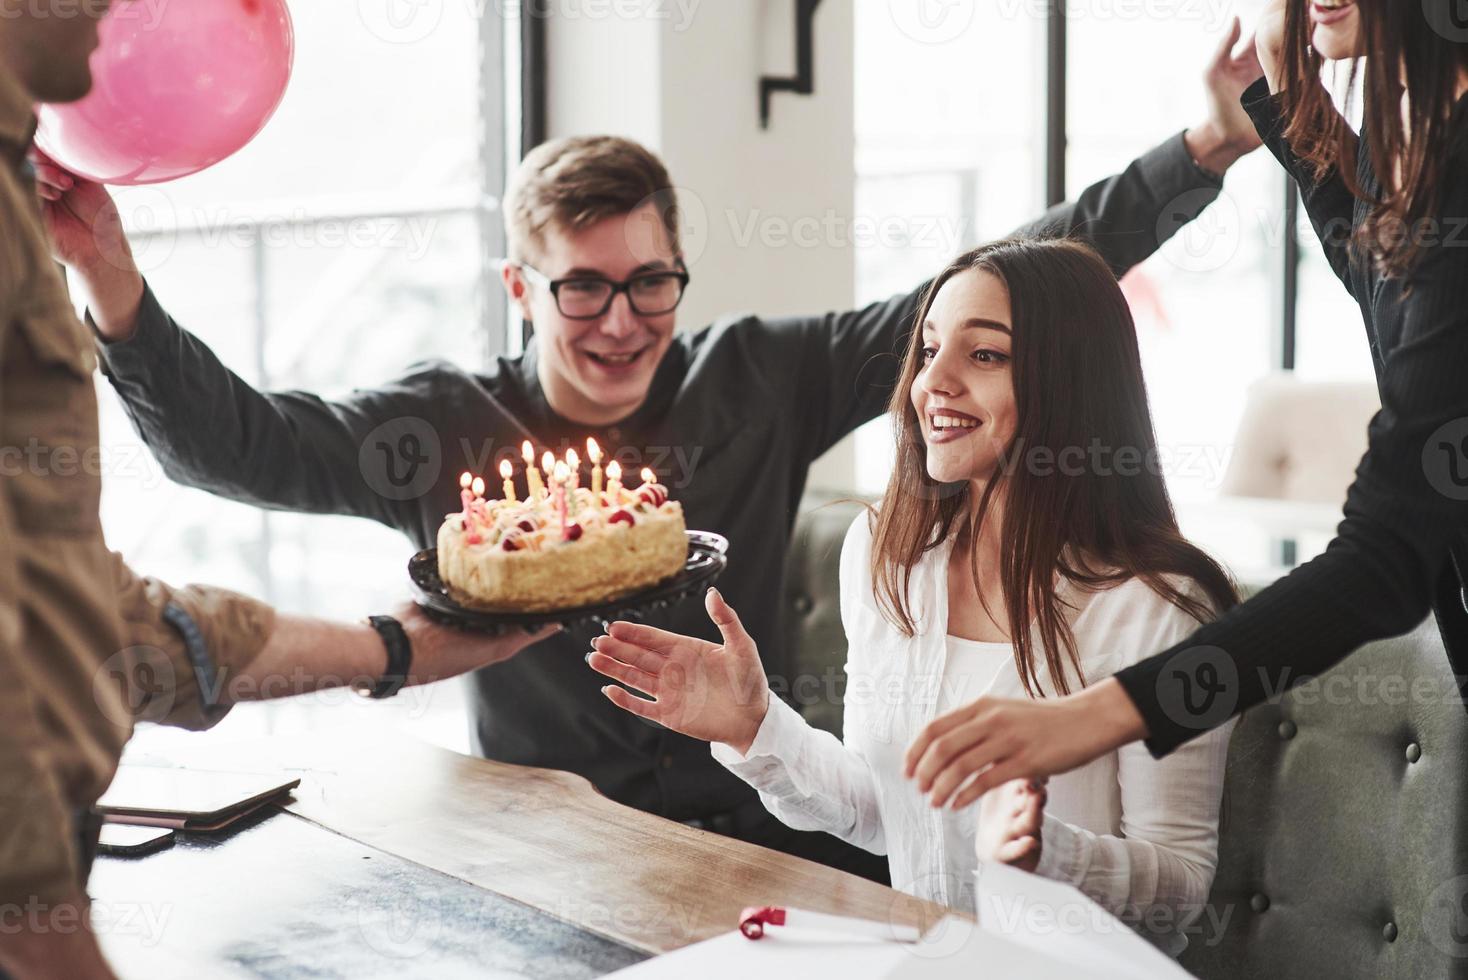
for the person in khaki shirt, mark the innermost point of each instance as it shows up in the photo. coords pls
(87, 646)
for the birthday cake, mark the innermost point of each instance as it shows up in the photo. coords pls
(563, 546)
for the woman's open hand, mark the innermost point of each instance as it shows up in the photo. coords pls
(1010, 818)
(962, 755)
(704, 690)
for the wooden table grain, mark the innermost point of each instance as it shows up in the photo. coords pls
(548, 839)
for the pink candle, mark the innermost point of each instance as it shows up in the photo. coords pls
(476, 506)
(558, 480)
(465, 497)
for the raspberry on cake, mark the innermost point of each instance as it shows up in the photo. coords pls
(566, 545)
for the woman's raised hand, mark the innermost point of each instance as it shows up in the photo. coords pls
(1269, 41)
(701, 689)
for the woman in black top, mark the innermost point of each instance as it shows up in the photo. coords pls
(1391, 208)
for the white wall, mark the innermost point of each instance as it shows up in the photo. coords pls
(764, 210)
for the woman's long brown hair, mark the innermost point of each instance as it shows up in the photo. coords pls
(1407, 55)
(1077, 385)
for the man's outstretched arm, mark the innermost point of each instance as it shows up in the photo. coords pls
(208, 427)
(842, 365)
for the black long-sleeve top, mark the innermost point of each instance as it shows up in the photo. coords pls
(735, 415)
(1400, 548)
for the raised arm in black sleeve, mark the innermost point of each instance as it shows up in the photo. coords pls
(1407, 506)
(1328, 201)
(840, 368)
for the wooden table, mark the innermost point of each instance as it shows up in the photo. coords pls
(621, 883)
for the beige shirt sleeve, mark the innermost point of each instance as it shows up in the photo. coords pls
(174, 689)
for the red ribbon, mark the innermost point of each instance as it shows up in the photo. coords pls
(752, 921)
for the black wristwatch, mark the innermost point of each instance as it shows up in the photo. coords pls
(399, 657)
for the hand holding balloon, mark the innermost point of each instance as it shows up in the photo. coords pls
(87, 237)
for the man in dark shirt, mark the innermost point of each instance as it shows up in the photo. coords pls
(730, 416)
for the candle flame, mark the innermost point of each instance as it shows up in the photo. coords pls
(478, 487)
(614, 470)
(648, 476)
(527, 453)
(561, 471)
(505, 468)
(572, 460)
(548, 462)
(465, 480)
(593, 451)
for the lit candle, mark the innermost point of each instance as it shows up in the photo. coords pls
(548, 463)
(573, 465)
(532, 475)
(477, 506)
(558, 480)
(505, 471)
(648, 476)
(614, 483)
(593, 452)
(465, 497)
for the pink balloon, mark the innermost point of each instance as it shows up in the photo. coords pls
(178, 86)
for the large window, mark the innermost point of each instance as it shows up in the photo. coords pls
(954, 120)
(348, 241)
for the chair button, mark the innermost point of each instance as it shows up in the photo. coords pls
(1259, 903)
(1414, 751)
(1389, 932)
(802, 604)
(1287, 730)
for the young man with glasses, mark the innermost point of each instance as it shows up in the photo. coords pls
(730, 415)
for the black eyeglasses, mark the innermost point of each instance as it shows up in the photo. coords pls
(589, 297)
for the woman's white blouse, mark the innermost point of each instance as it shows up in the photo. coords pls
(1138, 835)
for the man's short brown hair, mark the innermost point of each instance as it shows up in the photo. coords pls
(575, 182)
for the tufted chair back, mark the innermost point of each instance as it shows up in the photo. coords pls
(1343, 846)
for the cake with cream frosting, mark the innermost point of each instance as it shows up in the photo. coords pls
(566, 546)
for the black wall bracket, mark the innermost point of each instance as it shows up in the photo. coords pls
(803, 82)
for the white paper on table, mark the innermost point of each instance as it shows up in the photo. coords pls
(783, 952)
(1058, 920)
(954, 949)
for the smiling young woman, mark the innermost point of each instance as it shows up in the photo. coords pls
(1026, 353)
(1390, 207)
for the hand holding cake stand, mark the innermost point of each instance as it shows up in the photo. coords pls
(566, 554)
